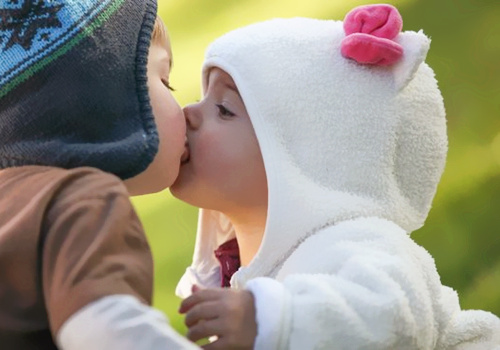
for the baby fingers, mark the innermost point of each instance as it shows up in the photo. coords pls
(198, 297)
(204, 329)
(224, 344)
(202, 311)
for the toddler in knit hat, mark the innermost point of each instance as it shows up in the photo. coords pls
(87, 119)
(315, 152)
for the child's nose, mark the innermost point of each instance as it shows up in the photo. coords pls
(193, 119)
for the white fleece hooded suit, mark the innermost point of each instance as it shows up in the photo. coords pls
(353, 155)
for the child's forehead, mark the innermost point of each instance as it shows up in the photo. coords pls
(168, 48)
(160, 51)
(220, 78)
(160, 36)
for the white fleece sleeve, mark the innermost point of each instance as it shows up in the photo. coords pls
(358, 293)
(272, 303)
(325, 312)
(120, 322)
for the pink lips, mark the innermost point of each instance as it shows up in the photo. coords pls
(185, 155)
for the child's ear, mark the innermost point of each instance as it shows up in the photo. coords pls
(416, 46)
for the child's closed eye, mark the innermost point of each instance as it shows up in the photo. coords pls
(167, 85)
(224, 112)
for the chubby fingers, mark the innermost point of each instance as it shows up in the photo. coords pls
(203, 311)
(205, 329)
(220, 344)
(231, 341)
(199, 296)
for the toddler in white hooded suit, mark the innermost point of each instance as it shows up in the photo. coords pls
(344, 147)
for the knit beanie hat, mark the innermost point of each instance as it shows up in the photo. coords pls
(345, 112)
(73, 84)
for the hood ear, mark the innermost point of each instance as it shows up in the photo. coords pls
(415, 46)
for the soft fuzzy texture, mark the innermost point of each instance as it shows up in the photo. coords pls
(73, 84)
(353, 156)
(120, 322)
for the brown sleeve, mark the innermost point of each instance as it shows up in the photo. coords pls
(94, 247)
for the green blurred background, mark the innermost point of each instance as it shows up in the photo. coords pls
(462, 231)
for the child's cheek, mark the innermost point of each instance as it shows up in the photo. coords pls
(211, 149)
(209, 142)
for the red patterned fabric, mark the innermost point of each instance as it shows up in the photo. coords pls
(228, 255)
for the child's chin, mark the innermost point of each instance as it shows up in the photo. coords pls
(181, 189)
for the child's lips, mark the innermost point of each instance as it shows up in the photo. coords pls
(186, 154)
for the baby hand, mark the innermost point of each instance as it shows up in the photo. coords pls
(228, 314)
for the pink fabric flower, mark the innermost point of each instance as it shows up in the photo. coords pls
(370, 31)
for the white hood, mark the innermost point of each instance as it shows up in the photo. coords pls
(340, 140)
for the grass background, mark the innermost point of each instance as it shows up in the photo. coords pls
(462, 230)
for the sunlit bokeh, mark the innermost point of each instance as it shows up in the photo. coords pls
(463, 229)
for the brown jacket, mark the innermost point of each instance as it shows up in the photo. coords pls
(67, 238)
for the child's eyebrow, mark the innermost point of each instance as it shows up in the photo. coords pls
(232, 87)
(169, 60)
